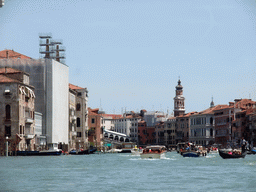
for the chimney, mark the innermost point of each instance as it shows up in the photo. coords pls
(237, 100)
(231, 104)
(7, 54)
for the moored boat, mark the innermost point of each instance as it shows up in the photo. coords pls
(153, 152)
(39, 153)
(235, 154)
(92, 149)
(81, 152)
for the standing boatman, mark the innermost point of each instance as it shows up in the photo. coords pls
(243, 143)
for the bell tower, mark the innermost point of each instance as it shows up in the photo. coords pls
(179, 101)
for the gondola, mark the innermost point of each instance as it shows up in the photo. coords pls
(226, 155)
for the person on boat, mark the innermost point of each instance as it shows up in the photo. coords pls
(244, 143)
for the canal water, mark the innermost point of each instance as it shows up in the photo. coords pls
(124, 172)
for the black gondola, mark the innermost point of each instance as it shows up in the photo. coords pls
(226, 155)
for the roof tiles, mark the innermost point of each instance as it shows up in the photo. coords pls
(10, 54)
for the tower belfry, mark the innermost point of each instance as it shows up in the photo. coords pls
(179, 100)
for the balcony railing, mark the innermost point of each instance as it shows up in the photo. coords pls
(29, 120)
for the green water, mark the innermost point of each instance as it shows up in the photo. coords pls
(124, 172)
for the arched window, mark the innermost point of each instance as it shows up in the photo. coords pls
(78, 122)
(78, 106)
(8, 112)
(8, 131)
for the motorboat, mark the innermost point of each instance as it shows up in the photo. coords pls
(251, 151)
(79, 152)
(191, 154)
(136, 151)
(153, 152)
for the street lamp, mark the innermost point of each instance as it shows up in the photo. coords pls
(6, 146)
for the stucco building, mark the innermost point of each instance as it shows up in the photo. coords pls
(78, 119)
(202, 126)
(17, 111)
(170, 132)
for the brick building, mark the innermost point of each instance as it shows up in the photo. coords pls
(146, 135)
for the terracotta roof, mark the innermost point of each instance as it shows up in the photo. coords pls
(114, 116)
(9, 70)
(4, 79)
(211, 109)
(95, 111)
(71, 86)
(10, 54)
(188, 114)
(243, 102)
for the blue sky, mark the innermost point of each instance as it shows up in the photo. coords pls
(130, 53)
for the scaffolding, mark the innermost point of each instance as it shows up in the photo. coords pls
(51, 49)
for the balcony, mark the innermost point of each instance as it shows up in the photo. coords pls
(29, 136)
(29, 120)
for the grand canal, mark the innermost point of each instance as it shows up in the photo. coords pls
(124, 172)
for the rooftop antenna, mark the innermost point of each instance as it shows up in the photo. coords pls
(100, 105)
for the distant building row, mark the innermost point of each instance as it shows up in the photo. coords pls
(220, 124)
(40, 109)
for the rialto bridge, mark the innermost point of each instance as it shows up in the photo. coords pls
(115, 136)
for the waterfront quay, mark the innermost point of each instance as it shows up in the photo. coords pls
(124, 172)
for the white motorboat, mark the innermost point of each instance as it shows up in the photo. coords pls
(153, 152)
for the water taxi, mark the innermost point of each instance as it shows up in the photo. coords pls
(153, 152)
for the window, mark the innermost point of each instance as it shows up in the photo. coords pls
(7, 131)
(79, 94)
(211, 120)
(78, 122)
(7, 90)
(211, 132)
(21, 129)
(78, 134)
(8, 112)
(78, 106)
(93, 120)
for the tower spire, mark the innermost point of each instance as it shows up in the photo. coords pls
(212, 103)
(179, 100)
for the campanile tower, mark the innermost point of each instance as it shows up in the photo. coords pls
(179, 101)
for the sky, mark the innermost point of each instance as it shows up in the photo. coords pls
(129, 54)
